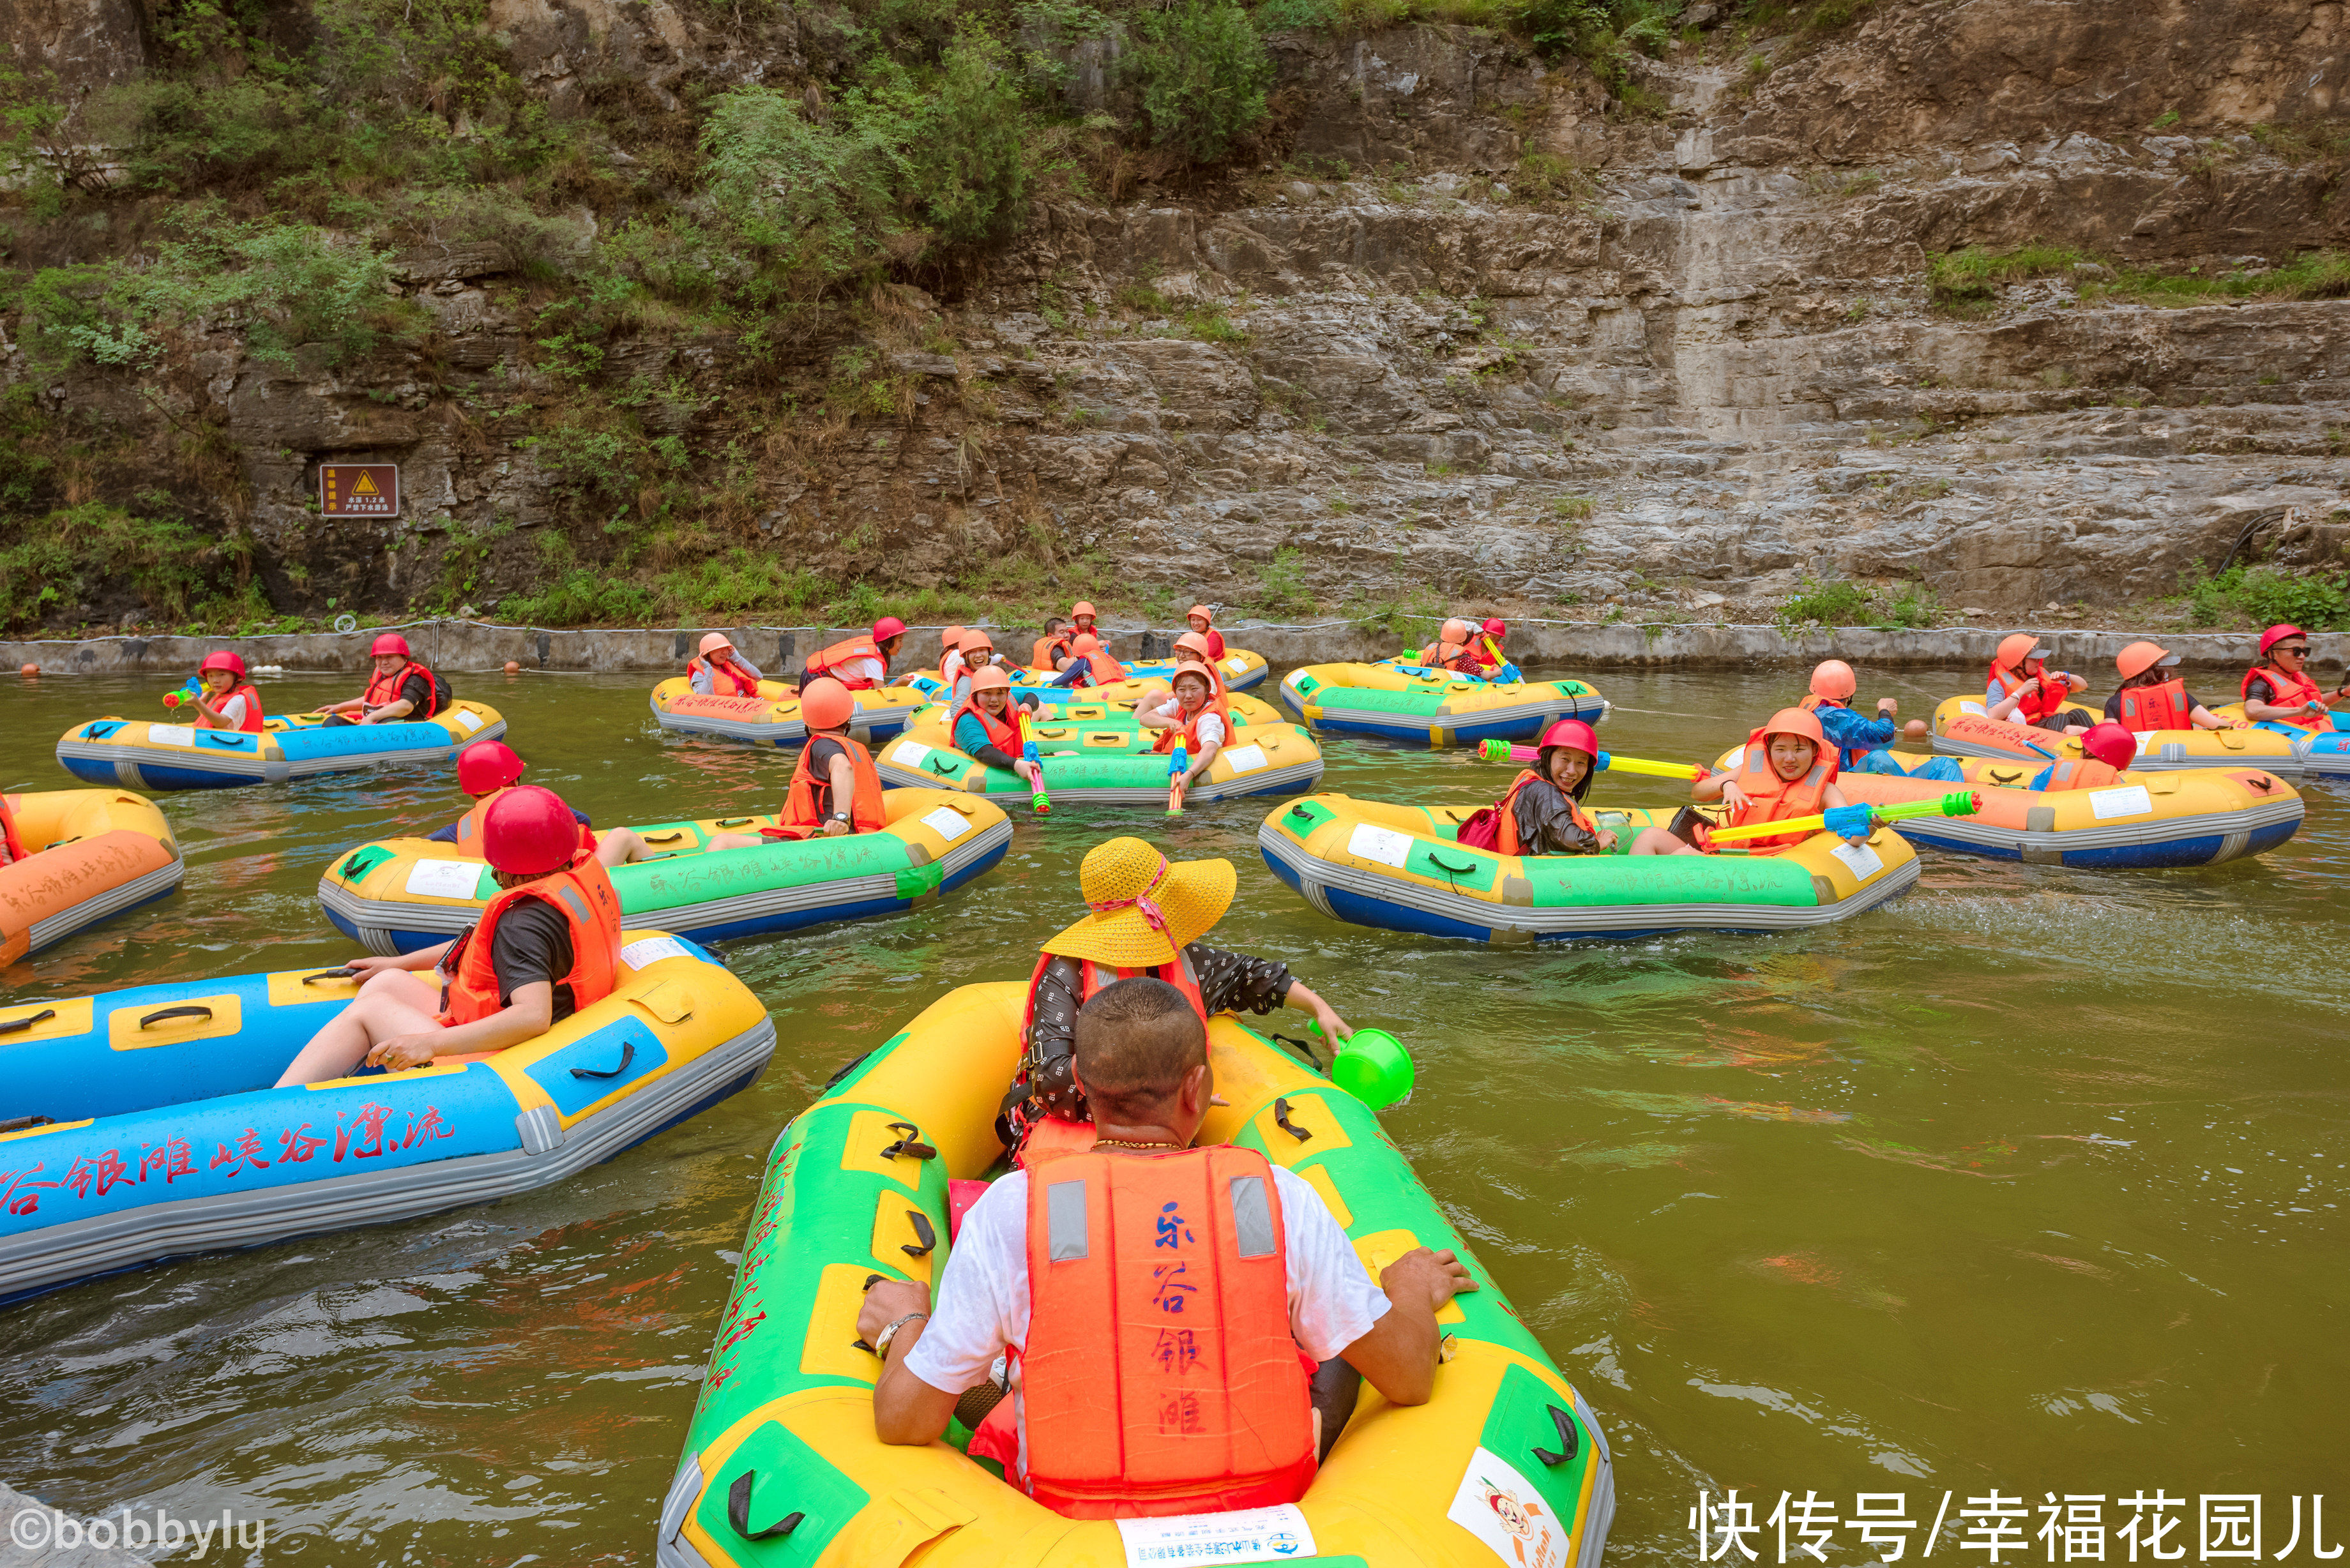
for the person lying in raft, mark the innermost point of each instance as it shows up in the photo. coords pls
(986, 725)
(1203, 626)
(1860, 742)
(228, 701)
(1541, 811)
(2278, 690)
(1147, 917)
(2024, 690)
(835, 789)
(548, 945)
(1786, 770)
(1195, 715)
(399, 688)
(1032, 1277)
(2151, 699)
(1090, 663)
(486, 771)
(859, 663)
(720, 671)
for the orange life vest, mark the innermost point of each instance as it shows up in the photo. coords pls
(1053, 1137)
(2287, 692)
(725, 680)
(1002, 733)
(583, 896)
(2053, 693)
(385, 688)
(1048, 653)
(15, 847)
(1506, 816)
(802, 816)
(2162, 707)
(253, 719)
(829, 660)
(1101, 669)
(469, 829)
(2084, 772)
(1770, 798)
(1159, 1376)
(1449, 656)
(1188, 732)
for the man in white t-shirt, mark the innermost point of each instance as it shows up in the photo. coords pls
(1142, 1062)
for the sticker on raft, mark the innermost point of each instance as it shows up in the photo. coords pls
(947, 822)
(171, 734)
(1383, 844)
(1246, 1535)
(467, 719)
(2130, 801)
(1246, 759)
(445, 878)
(646, 951)
(1864, 861)
(910, 753)
(1502, 1508)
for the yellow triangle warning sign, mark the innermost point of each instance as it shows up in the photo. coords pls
(366, 487)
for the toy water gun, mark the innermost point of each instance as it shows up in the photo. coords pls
(1372, 1066)
(188, 693)
(1503, 752)
(1504, 670)
(1041, 802)
(1179, 775)
(1958, 803)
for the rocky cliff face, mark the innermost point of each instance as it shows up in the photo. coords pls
(1483, 334)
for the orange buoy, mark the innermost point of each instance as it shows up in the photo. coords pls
(28, 670)
(511, 668)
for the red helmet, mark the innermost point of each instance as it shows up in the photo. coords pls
(223, 660)
(826, 704)
(1496, 627)
(888, 627)
(391, 642)
(1572, 732)
(2110, 745)
(529, 831)
(2277, 634)
(490, 765)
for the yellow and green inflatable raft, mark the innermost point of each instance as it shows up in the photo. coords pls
(856, 1186)
(1435, 708)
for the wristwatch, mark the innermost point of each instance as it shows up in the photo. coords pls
(881, 1341)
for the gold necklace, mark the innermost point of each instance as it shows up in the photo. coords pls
(1132, 1143)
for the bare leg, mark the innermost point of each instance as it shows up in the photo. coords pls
(393, 1001)
(734, 841)
(621, 847)
(1657, 841)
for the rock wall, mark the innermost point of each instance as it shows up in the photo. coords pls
(1701, 369)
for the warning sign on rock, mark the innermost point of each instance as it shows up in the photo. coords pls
(359, 489)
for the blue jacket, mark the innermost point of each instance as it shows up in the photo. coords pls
(1854, 735)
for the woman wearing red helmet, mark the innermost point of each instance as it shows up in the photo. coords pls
(835, 789)
(2278, 690)
(228, 701)
(1541, 811)
(399, 688)
(548, 945)
(859, 663)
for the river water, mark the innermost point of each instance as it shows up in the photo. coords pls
(2029, 1182)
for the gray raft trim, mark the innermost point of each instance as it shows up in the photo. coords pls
(114, 901)
(14, 1554)
(81, 1249)
(2174, 759)
(375, 918)
(1315, 875)
(2120, 835)
(1289, 779)
(260, 769)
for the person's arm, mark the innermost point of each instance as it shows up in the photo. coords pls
(1052, 1047)
(2202, 717)
(1719, 786)
(1546, 821)
(1210, 749)
(529, 1016)
(446, 834)
(842, 774)
(2001, 707)
(1156, 710)
(699, 678)
(1832, 797)
(906, 1411)
(420, 959)
(1397, 1357)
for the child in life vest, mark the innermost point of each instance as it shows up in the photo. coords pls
(2106, 750)
(1195, 715)
(2023, 688)
(1451, 650)
(548, 945)
(486, 771)
(399, 688)
(1541, 811)
(975, 652)
(950, 656)
(2151, 698)
(1082, 1432)
(1860, 742)
(228, 701)
(2278, 690)
(719, 672)
(858, 663)
(1786, 770)
(835, 788)
(986, 725)
(1203, 623)
(1146, 917)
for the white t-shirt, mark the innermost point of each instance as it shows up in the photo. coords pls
(1168, 705)
(981, 1306)
(951, 666)
(232, 713)
(871, 670)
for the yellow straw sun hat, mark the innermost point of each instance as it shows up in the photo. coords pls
(1144, 909)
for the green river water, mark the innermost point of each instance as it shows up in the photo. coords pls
(2029, 1181)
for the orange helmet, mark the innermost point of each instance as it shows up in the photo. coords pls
(1455, 630)
(1193, 666)
(2015, 648)
(1834, 681)
(974, 640)
(2277, 634)
(1795, 722)
(1201, 612)
(1082, 608)
(2110, 745)
(712, 642)
(2140, 657)
(952, 635)
(992, 678)
(1084, 642)
(1194, 643)
(491, 765)
(826, 704)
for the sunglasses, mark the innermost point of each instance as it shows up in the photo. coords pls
(2299, 649)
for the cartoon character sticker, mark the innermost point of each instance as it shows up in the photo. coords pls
(1502, 1508)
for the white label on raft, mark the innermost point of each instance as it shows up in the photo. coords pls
(467, 719)
(1246, 759)
(1237, 666)
(1862, 860)
(1976, 708)
(1244, 1535)
(1383, 844)
(2131, 801)
(445, 878)
(1500, 1506)
(949, 823)
(171, 734)
(1736, 761)
(2147, 742)
(909, 752)
(646, 951)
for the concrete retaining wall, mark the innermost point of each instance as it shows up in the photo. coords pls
(461, 646)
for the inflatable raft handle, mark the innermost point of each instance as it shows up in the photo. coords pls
(923, 1233)
(346, 972)
(17, 1025)
(194, 1010)
(734, 821)
(627, 1055)
(1281, 1120)
(738, 1512)
(18, 1124)
(908, 1143)
(664, 838)
(1568, 1441)
(1443, 865)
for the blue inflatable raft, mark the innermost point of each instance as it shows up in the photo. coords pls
(143, 755)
